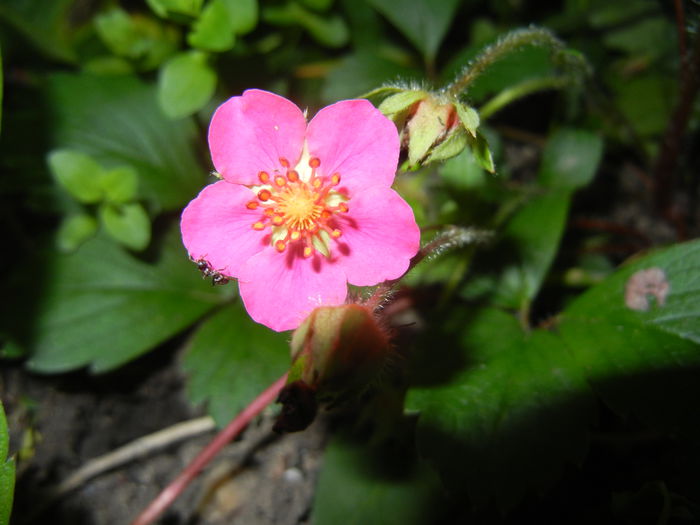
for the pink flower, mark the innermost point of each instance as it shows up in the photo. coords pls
(301, 210)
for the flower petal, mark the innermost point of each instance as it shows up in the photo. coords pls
(380, 235)
(353, 138)
(280, 289)
(217, 227)
(250, 133)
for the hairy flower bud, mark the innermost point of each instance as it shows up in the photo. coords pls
(433, 126)
(337, 353)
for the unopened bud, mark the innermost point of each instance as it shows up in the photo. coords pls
(337, 353)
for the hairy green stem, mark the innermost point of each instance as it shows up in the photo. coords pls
(513, 41)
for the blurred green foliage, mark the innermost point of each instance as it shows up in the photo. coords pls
(104, 118)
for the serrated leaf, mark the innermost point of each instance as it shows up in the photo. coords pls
(100, 307)
(78, 174)
(133, 132)
(243, 15)
(185, 85)
(504, 425)
(373, 493)
(231, 359)
(423, 22)
(7, 472)
(636, 335)
(213, 30)
(74, 231)
(678, 313)
(127, 223)
(120, 184)
(570, 159)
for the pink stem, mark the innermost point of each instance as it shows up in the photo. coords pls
(172, 491)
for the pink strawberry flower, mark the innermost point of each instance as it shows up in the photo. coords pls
(302, 210)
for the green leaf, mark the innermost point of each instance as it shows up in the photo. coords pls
(243, 14)
(117, 30)
(504, 425)
(120, 184)
(132, 131)
(643, 324)
(318, 5)
(138, 38)
(657, 92)
(100, 307)
(327, 30)
(532, 237)
(127, 223)
(231, 359)
(463, 171)
(357, 486)
(178, 8)
(77, 173)
(213, 31)
(185, 85)
(74, 231)
(423, 22)
(570, 159)
(7, 472)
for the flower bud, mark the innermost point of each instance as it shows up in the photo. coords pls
(433, 126)
(337, 353)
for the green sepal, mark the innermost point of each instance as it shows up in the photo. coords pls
(400, 102)
(482, 152)
(469, 117)
(453, 145)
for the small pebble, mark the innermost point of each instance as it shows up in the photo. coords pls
(293, 475)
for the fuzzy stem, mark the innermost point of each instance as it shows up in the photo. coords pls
(172, 491)
(451, 237)
(513, 41)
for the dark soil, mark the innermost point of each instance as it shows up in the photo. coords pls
(60, 423)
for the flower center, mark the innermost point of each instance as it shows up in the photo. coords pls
(299, 207)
